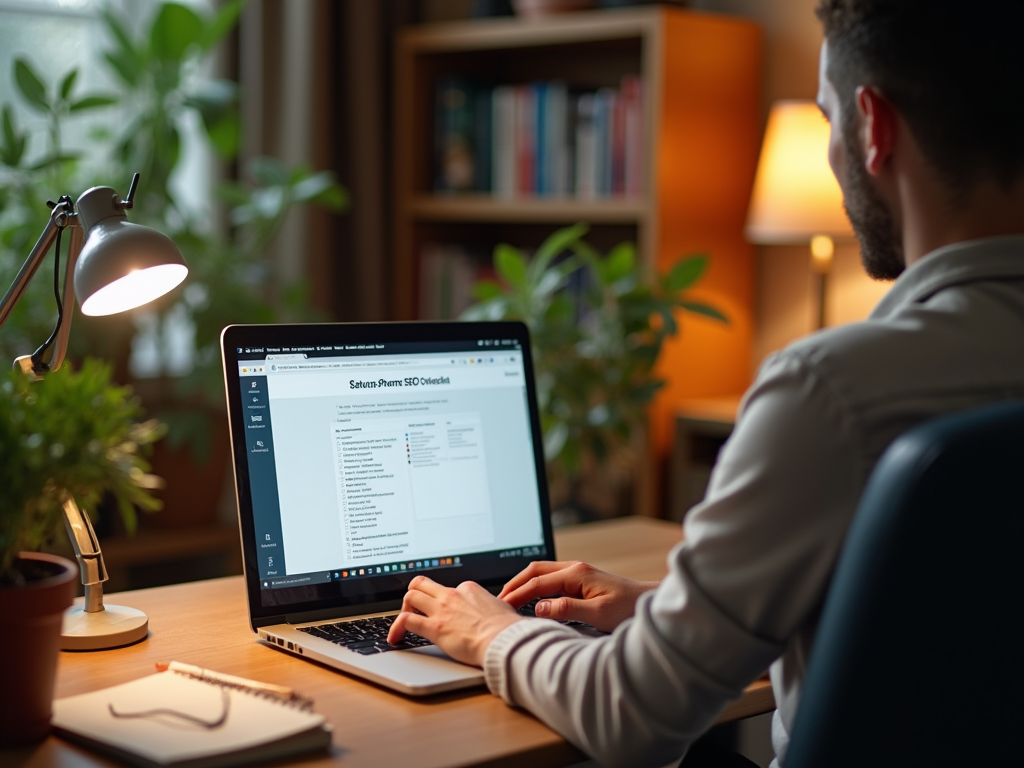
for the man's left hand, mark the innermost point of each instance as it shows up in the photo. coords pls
(462, 621)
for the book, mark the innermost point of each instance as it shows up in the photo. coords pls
(454, 135)
(177, 719)
(542, 139)
(503, 147)
(586, 148)
(553, 171)
(482, 139)
(633, 95)
(604, 107)
(539, 142)
(525, 139)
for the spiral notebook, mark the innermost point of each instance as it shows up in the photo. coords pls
(173, 719)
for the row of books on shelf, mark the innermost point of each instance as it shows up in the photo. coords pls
(541, 139)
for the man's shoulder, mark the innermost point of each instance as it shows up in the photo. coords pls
(834, 351)
(952, 350)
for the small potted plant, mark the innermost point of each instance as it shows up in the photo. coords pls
(597, 326)
(68, 433)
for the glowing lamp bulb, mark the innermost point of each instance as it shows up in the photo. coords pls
(138, 287)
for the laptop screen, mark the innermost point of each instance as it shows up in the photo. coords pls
(366, 455)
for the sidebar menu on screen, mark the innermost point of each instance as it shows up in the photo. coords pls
(262, 477)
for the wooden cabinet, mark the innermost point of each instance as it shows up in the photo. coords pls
(701, 76)
(701, 429)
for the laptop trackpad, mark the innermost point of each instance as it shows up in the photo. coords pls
(430, 650)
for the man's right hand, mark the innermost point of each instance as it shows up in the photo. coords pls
(575, 591)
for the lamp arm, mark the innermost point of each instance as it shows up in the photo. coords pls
(62, 215)
(60, 347)
(87, 552)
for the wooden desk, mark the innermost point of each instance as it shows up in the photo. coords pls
(205, 623)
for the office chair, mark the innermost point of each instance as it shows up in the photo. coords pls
(918, 656)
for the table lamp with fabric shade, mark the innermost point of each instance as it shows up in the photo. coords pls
(117, 266)
(796, 199)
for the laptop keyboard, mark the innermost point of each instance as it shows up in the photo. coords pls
(367, 636)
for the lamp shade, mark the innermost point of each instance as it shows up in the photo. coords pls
(795, 194)
(122, 265)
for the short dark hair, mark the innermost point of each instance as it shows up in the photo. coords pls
(954, 70)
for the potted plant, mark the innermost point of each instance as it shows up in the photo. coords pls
(597, 326)
(68, 433)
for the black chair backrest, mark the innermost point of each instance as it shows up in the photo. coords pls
(917, 660)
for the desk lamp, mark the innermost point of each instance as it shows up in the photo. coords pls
(119, 266)
(796, 199)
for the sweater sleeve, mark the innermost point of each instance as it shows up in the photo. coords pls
(754, 564)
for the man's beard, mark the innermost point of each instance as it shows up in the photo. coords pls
(881, 244)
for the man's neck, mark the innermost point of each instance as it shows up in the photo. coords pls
(932, 221)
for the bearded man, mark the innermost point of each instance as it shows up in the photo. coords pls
(926, 103)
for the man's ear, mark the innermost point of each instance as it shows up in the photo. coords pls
(878, 123)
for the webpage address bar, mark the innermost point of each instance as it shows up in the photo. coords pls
(313, 365)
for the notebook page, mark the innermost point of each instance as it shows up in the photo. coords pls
(252, 720)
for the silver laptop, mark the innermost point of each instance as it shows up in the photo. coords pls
(366, 454)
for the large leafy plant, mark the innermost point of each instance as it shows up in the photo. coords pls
(597, 323)
(160, 74)
(72, 432)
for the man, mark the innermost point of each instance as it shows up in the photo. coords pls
(926, 103)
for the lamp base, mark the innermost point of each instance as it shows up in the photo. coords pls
(112, 627)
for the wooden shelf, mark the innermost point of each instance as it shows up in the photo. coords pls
(483, 208)
(517, 32)
(701, 130)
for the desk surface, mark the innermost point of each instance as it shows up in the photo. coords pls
(372, 726)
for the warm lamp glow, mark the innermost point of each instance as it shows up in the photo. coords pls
(822, 249)
(134, 289)
(795, 194)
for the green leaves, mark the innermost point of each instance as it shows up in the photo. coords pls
(320, 188)
(704, 309)
(12, 148)
(30, 85)
(686, 272)
(73, 431)
(34, 91)
(222, 23)
(598, 324)
(95, 101)
(175, 29)
(217, 104)
(159, 68)
(620, 263)
(158, 74)
(554, 245)
(510, 265)
(279, 189)
(68, 83)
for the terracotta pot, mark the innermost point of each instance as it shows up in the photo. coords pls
(30, 624)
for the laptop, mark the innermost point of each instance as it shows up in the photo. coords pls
(368, 454)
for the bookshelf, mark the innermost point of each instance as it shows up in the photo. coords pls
(701, 133)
